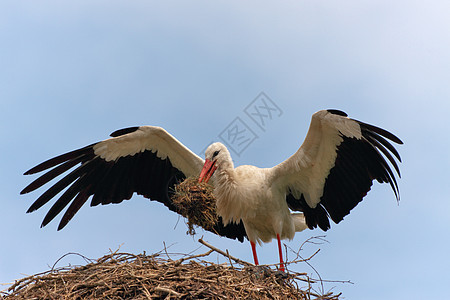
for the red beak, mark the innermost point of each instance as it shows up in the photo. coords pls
(208, 170)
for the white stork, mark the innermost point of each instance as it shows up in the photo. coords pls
(326, 178)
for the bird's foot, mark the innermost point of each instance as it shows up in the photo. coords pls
(281, 274)
(260, 271)
(265, 271)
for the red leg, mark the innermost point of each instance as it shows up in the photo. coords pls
(280, 253)
(254, 253)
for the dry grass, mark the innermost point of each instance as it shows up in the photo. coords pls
(128, 276)
(196, 202)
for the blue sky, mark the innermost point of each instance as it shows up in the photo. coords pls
(72, 72)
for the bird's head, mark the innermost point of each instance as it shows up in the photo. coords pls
(216, 157)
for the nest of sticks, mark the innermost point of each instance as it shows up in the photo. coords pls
(196, 202)
(128, 276)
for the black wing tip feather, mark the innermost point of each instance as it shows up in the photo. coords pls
(30, 210)
(377, 136)
(58, 160)
(124, 131)
(337, 112)
(380, 131)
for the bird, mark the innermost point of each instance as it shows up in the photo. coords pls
(330, 173)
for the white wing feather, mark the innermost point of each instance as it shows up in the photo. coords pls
(305, 172)
(154, 139)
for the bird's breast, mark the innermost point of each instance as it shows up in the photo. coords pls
(243, 195)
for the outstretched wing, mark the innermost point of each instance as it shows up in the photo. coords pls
(146, 160)
(334, 168)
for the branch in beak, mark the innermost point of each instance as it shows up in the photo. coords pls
(208, 170)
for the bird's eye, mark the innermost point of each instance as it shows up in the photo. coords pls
(215, 153)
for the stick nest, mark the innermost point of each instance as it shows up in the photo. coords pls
(196, 202)
(129, 276)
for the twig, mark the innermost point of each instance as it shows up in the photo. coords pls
(71, 253)
(165, 250)
(201, 241)
(179, 261)
(229, 259)
(167, 291)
